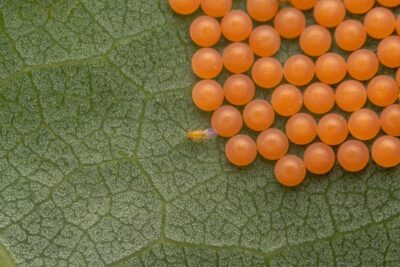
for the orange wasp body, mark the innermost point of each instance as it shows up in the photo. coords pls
(199, 135)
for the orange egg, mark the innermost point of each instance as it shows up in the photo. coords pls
(216, 8)
(227, 121)
(205, 31)
(351, 95)
(265, 41)
(358, 6)
(332, 129)
(383, 90)
(262, 10)
(184, 7)
(207, 95)
(398, 25)
(329, 13)
(389, 3)
(290, 170)
(301, 129)
(319, 98)
(315, 40)
(299, 70)
(350, 35)
(238, 57)
(239, 89)
(364, 124)
(241, 150)
(303, 4)
(398, 77)
(272, 144)
(319, 158)
(287, 100)
(267, 72)
(330, 68)
(386, 151)
(389, 51)
(236, 26)
(390, 120)
(258, 115)
(362, 64)
(207, 63)
(379, 22)
(289, 22)
(353, 155)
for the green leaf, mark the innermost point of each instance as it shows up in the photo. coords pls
(95, 169)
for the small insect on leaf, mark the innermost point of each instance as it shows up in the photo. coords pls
(199, 135)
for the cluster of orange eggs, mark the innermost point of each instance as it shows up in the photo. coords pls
(329, 68)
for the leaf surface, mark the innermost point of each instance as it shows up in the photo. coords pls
(95, 169)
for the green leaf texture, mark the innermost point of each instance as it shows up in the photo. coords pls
(95, 169)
